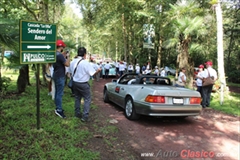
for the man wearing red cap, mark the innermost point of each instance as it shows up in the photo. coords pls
(62, 60)
(207, 90)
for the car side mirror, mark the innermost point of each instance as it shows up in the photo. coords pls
(114, 80)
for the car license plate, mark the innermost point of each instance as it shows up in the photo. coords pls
(177, 100)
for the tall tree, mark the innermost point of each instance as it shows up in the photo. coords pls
(186, 24)
(221, 71)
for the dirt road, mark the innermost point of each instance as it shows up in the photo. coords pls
(212, 135)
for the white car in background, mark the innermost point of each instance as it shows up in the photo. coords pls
(169, 70)
(112, 70)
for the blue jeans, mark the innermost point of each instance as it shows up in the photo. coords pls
(206, 95)
(59, 87)
(106, 73)
(199, 89)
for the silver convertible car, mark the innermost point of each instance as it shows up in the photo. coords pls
(151, 95)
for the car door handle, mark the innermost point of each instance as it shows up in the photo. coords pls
(122, 88)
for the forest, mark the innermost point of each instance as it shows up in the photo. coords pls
(184, 33)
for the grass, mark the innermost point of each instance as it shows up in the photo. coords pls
(233, 84)
(56, 139)
(230, 104)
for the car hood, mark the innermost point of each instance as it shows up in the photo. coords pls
(174, 91)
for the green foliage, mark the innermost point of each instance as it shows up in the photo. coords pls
(4, 84)
(56, 139)
(234, 76)
(231, 103)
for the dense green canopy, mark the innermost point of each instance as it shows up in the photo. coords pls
(185, 32)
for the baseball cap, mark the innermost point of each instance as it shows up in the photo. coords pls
(60, 43)
(201, 66)
(208, 63)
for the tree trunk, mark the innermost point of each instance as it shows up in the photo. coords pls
(27, 74)
(22, 79)
(124, 36)
(221, 72)
(1, 62)
(159, 53)
(130, 46)
(183, 61)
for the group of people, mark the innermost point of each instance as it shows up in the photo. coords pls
(201, 75)
(80, 71)
(122, 67)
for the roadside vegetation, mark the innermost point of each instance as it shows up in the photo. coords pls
(57, 138)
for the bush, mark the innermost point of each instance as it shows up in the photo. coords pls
(234, 76)
(4, 84)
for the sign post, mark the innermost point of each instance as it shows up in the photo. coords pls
(37, 42)
(37, 45)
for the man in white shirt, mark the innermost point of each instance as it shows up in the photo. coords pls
(106, 69)
(81, 71)
(163, 72)
(121, 68)
(207, 90)
(130, 68)
(137, 68)
(156, 71)
(117, 67)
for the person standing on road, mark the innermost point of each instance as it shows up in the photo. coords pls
(117, 67)
(137, 69)
(130, 68)
(207, 90)
(81, 71)
(101, 66)
(107, 68)
(62, 60)
(121, 69)
(156, 71)
(199, 78)
(144, 69)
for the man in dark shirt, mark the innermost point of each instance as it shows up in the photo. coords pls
(62, 60)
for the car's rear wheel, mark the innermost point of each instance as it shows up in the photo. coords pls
(105, 96)
(130, 111)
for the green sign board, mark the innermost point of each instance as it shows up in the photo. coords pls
(37, 42)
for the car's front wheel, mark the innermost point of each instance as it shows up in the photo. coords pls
(130, 111)
(105, 96)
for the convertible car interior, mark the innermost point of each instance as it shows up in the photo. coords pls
(132, 79)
